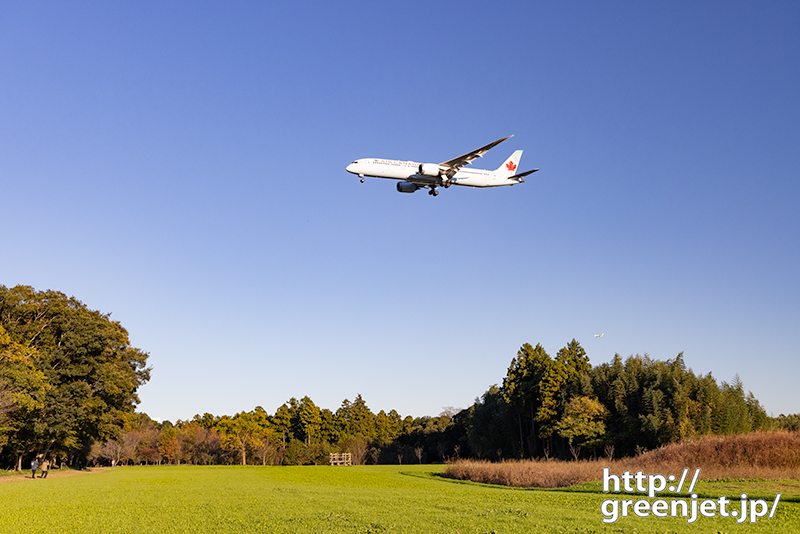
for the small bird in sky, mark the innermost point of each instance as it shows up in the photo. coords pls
(599, 335)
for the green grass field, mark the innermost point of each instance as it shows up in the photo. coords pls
(363, 499)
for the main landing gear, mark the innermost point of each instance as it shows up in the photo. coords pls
(433, 192)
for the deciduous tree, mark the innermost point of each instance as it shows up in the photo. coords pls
(91, 370)
(582, 423)
(240, 433)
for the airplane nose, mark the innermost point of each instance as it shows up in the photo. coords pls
(349, 168)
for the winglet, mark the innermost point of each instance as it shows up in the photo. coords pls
(484, 149)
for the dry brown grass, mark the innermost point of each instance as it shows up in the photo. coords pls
(766, 455)
(524, 473)
(770, 455)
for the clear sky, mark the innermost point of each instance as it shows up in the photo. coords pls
(181, 165)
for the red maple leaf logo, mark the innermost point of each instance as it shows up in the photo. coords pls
(510, 166)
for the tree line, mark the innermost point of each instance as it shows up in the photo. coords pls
(298, 433)
(68, 382)
(561, 406)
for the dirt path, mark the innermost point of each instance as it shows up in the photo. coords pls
(52, 473)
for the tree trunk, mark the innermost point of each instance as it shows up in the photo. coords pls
(47, 448)
(532, 444)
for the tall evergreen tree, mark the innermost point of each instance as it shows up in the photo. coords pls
(283, 422)
(356, 419)
(522, 390)
(310, 419)
(490, 426)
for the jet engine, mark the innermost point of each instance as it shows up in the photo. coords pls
(406, 187)
(429, 169)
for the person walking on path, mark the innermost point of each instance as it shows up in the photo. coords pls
(34, 465)
(45, 467)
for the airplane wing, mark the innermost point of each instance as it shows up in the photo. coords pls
(451, 167)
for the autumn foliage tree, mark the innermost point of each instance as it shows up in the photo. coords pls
(240, 433)
(582, 423)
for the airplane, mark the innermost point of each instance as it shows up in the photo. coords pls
(414, 176)
(599, 335)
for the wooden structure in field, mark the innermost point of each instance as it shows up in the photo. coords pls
(340, 458)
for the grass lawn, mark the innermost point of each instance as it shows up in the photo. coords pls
(318, 499)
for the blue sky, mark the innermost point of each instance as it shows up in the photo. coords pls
(181, 165)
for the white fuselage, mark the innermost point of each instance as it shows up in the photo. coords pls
(409, 171)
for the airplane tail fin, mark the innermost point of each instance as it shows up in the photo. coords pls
(509, 166)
